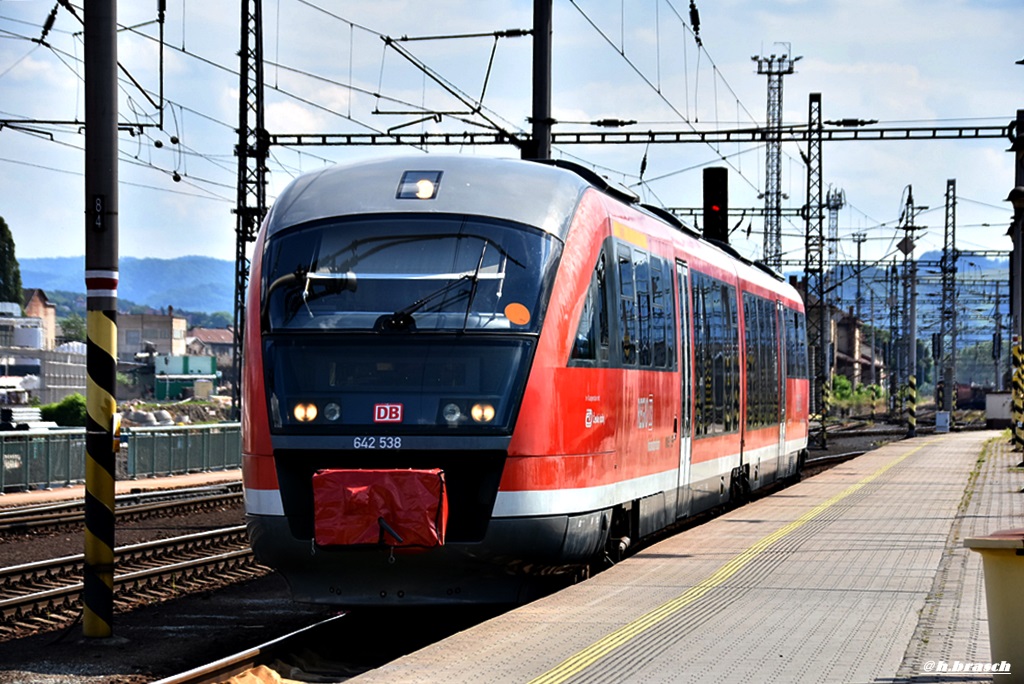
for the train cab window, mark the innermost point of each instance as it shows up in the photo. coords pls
(409, 274)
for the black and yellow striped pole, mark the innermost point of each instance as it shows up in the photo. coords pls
(826, 403)
(1018, 397)
(952, 399)
(101, 275)
(911, 404)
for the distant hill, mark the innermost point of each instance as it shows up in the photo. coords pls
(191, 283)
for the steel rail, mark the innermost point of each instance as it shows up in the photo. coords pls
(225, 668)
(149, 566)
(128, 507)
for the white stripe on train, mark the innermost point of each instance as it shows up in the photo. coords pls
(563, 501)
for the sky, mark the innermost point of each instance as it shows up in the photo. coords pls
(907, 63)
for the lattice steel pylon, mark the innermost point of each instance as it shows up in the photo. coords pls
(774, 67)
(834, 201)
(894, 358)
(251, 150)
(947, 320)
(859, 239)
(818, 319)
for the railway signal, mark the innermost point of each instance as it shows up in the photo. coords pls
(716, 203)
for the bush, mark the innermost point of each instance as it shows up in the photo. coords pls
(69, 412)
(842, 388)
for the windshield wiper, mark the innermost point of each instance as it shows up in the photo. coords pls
(473, 287)
(402, 320)
(334, 283)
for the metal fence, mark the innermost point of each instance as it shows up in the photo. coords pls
(40, 459)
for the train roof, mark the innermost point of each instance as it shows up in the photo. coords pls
(533, 194)
(544, 195)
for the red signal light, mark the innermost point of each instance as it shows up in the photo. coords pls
(716, 203)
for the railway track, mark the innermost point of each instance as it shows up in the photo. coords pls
(253, 660)
(135, 506)
(47, 595)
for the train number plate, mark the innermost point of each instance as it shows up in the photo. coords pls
(377, 443)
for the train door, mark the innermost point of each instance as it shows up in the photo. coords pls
(780, 341)
(684, 497)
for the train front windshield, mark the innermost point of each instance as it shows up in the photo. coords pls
(415, 320)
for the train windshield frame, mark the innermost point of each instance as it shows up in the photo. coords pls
(415, 272)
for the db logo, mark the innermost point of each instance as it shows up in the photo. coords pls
(387, 413)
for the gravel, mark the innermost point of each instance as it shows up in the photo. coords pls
(156, 641)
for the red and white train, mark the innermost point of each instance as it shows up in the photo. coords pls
(464, 372)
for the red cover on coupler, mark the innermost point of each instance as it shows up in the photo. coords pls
(391, 507)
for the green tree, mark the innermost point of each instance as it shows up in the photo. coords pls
(73, 328)
(68, 412)
(10, 272)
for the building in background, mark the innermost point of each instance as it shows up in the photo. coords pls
(215, 342)
(153, 333)
(37, 305)
(29, 364)
(180, 377)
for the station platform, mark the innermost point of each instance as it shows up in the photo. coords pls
(858, 574)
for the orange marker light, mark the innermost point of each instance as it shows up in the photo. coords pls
(517, 314)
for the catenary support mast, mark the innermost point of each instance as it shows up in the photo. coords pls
(101, 275)
(251, 150)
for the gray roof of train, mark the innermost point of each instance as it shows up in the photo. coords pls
(525, 192)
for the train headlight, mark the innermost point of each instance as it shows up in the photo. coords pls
(482, 413)
(424, 189)
(419, 185)
(451, 413)
(305, 413)
(332, 412)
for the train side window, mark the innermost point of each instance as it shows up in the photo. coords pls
(627, 306)
(801, 339)
(716, 356)
(601, 276)
(662, 315)
(701, 376)
(591, 342)
(642, 273)
(772, 353)
(796, 344)
(762, 361)
(789, 330)
(752, 343)
(729, 342)
(584, 346)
